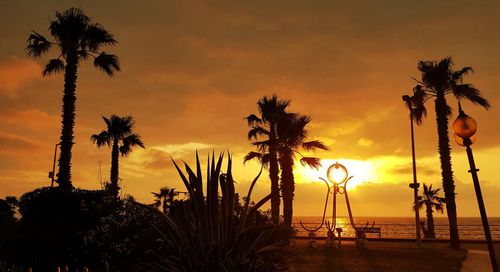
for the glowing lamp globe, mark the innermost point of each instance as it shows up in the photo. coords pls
(337, 173)
(464, 126)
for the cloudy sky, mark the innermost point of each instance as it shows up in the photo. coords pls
(192, 70)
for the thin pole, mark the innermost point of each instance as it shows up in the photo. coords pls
(480, 202)
(415, 185)
(54, 166)
(334, 212)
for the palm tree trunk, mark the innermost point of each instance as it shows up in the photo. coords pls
(287, 188)
(68, 122)
(164, 208)
(114, 188)
(430, 222)
(274, 177)
(446, 170)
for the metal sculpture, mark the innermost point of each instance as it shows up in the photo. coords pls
(338, 175)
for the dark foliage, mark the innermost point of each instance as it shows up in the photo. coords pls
(52, 226)
(210, 232)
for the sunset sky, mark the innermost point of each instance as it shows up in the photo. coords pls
(192, 70)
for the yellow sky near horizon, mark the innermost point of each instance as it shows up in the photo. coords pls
(192, 70)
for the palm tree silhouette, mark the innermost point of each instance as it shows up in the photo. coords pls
(270, 109)
(292, 134)
(77, 38)
(432, 202)
(164, 198)
(120, 136)
(438, 80)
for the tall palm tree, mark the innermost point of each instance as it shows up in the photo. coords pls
(77, 38)
(120, 136)
(438, 80)
(164, 198)
(432, 202)
(265, 126)
(292, 135)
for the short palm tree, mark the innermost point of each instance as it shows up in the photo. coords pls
(292, 135)
(432, 202)
(164, 198)
(265, 127)
(120, 136)
(438, 80)
(77, 38)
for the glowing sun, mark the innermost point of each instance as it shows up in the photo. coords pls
(361, 171)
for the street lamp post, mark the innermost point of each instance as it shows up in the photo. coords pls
(464, 128)
(52, 174)
(415, 184)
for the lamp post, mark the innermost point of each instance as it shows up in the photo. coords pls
(52, 174)
(464, 128)
(415, 184)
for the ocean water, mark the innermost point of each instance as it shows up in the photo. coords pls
(469, 228)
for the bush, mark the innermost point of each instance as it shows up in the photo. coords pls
(53, 225)
(209, 234)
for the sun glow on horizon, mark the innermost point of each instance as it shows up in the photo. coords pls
(361, 171)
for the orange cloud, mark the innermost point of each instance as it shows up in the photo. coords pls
(14, 72)
(15, 143)
(29, 119)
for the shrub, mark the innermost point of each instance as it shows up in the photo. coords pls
(207, 234)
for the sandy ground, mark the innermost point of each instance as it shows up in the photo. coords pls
(392, 255)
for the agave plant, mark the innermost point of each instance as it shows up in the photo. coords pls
(207, 234)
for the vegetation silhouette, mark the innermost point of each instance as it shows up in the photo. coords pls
(164, 198)
(53, 224)
(271, 109)
(438, 80)
(208, 234)
(292, 135)
(77, 38)
(432, 202)
(118, 135)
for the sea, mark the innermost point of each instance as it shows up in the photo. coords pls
(469, 228)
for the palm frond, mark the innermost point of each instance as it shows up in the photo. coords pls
(96, 36)
(263, 158)
(253, 119)
(128, 142)
(257, 131)
(37, 45)
(457, 75)
(313, 145)
(106, 120)
(469, 92)
(417, 104)
(54, 66)
(101, 139)
(68, 28)
(107, 63)
(262, 145)
(311, 162)
(252, 155)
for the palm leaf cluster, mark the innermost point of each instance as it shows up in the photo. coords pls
(279, 136)
(77, 38)
(118, 135)
(164, 198)
(207, 233)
